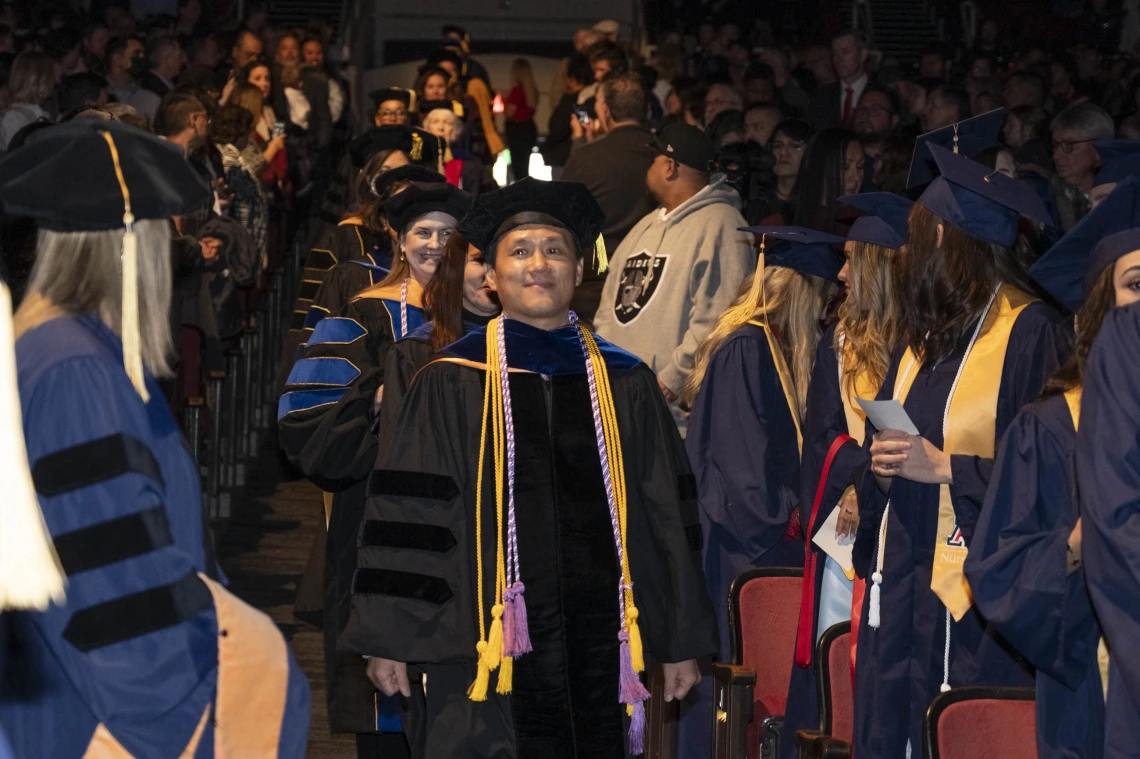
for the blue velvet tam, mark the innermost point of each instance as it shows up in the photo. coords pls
(1118, 159)
(1071, 267)
(64, 177)
(805, 250)
(984, 204)
(884, 219)
(973, 136)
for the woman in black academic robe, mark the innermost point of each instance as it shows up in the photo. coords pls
(1025, 566)
(329, 414)
(972, 335)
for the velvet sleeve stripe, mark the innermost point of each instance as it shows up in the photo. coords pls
(304, 400)
(390, 482)
(337, 330)
(138, 614)
(314, 315)
(93, 462)
(113, 541)
(297, 321)
(328, 371)
(410, 585)
(417, 537)
(308, 289)
(319, 258)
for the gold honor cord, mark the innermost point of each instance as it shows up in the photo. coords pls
(129, 323)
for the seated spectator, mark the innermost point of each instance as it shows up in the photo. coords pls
(876, 119)
(935, 64)
(788, 142)
(85, 90)
(760, 84)
(726, 128)
(832, 167)
(93, 46)
(945, 106)
(834, 104)
(1026, 132)
(1024, 88)
(166, 63)
(1062, 82)
(760, 120)
(29, 85)
(1074, 131)
(63, 45)
(892, 165)
(461, 168)
(126, 66)
(747, 168)
(721, 97)
(204, 51)
(288, 50)
(780, 61)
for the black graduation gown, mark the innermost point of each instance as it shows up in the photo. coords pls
(901, 663)
(824, 421)
(1108, 468)
(340, 244)
(1017, 572)
(413, 594)
(327, 427)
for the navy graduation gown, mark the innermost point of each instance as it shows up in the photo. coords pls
(901, 663)
(824, 421)
(1017, 572)
(133, 652)
(1108, 466)
(742, 442)
(413, 593)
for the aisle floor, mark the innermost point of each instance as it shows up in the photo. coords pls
(263, 549)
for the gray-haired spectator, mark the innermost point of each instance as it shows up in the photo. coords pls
(1075, 129)
(166, 62)
(29, 85)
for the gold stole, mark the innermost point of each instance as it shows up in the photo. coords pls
(856, 419)
(785, 380)
(970, 426)
(1073, 400)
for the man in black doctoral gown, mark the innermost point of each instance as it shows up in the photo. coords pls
(415, 594)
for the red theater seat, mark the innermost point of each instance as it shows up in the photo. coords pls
(978, 722)
(836, 698)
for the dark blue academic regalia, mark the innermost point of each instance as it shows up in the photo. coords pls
(742, 443)
(824, 421)
(134, 650)
(901, 663)
(1108, 466)
(1017, 572)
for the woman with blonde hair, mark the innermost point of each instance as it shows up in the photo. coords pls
(851, 361)
(31, 81)
(521, 104)
(747, 391)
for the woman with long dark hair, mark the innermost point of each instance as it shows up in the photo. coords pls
(975, 346)
(851, 360)
(832, 166)
(328, 419)
(1025, 563)
(789, 140)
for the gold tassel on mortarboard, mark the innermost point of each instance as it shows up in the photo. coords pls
(411, 101)
(457, 108)
(132, 354)
(601, 257)
(417, 153)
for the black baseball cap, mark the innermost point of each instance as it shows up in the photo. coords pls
(687, 145)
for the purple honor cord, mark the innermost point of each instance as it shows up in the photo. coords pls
(404, 308)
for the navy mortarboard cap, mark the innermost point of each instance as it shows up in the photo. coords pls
(157, 175)
(409, 173)
(420, 146)
(884, 219)
(1071, 267)
(1118, 159)
(567, 205)
(687, 145)
(802, 249)
(985, 204)
(407, 97)
(971, 137)
(419, 199)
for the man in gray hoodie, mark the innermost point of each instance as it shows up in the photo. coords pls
(680, 267)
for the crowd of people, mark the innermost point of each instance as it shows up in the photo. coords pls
(744, 243)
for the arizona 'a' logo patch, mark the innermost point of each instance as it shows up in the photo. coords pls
(955, 539)
(639, 279)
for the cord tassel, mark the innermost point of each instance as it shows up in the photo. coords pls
(493, 653)
(637, 730)
(506, 676)
(478, 689)
(873, 604)
(636, 652)
(516, 633)
(630, 689)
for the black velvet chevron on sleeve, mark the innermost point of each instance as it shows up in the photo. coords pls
(436, 487)
(417, 537)
(93, 462)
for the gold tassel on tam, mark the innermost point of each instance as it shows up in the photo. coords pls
(417, 153)
(601, 257)
(132, 355)
(30, 574)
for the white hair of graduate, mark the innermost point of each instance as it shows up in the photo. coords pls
(80, 272)
(448, 115)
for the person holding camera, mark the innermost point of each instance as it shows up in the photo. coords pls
(613, 167)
